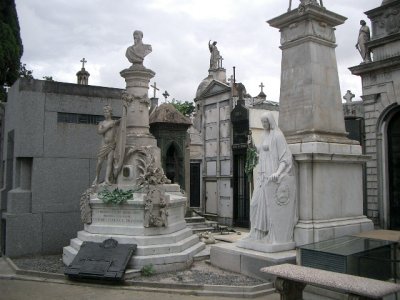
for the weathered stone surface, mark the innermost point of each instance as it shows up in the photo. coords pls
(167, 113)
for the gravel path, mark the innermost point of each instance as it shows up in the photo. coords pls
(199, 273)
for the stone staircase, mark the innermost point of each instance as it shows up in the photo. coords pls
(199, 223)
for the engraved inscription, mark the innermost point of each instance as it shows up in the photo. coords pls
(115, 216)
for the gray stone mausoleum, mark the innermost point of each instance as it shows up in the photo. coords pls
(381, 106)
(49, 159)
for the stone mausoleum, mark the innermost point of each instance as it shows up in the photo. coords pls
(49, 157)
(381, 115)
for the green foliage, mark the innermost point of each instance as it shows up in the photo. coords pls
(24, 72)
(117, 196)
(147, 270)
(251, 161)
(185, 108)
(11, 48)
(48, 78)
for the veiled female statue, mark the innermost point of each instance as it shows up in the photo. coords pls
(273, 207)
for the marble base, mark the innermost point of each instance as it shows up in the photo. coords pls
(229, 256)
(330, 190)
(307, 232)
(262, 246)
(167, 248)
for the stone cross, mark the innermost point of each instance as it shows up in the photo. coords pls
(155, 89)
(230, 79)
(220, 61)
(262, 86)
(83, 61)
(166, 95)
(349, 96)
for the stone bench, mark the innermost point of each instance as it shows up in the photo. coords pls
(292, 279)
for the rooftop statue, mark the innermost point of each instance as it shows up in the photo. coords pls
(215, 56)
(363, 38)
(306, 2)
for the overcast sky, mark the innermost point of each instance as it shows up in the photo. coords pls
(57, 34)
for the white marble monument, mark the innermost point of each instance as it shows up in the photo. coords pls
(311, 117)
(273, 207)
(154, 218)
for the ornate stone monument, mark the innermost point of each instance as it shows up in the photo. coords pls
(153, 215)
(311, 117)
(273, 207)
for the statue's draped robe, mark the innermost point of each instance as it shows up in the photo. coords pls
(273, 211)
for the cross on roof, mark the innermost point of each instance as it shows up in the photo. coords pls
(155, 89)
(349, 96)
(166, 95)
(262, 86)
(220, 61)
(83, 61)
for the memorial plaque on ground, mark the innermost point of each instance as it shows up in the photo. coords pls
(107, 260)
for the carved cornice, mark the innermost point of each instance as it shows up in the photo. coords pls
(311, 12)
(385, 19)
(376, 65)
(370, 99)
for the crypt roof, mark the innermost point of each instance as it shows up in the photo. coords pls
(167, 113)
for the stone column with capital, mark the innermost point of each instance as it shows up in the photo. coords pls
(136, 146)
(311, 118)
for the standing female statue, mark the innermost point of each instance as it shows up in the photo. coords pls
(363, 38)
(273, 208)
(215, 56)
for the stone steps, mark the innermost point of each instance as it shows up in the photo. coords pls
(138, 240)
(154, 249)
(195, 219)
(184, 257)
(161, 262)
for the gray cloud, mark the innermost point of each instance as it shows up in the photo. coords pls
(57, 33)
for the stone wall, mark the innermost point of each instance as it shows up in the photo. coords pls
(50, 149)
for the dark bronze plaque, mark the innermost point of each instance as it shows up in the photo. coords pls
(106, 261)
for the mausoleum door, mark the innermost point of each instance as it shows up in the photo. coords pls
(211, 197)
(173, 166)
(241, 202)
(195, 177)
(394, 170)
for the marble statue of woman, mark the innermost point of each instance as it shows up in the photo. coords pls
(215, 56)
(273, 210)
(363, 38)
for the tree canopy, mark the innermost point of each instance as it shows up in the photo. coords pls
(11, 48)
(185, 108)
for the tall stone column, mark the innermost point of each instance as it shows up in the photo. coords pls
(137, 143)
(311, 117)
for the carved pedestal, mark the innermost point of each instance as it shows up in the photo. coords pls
(311, 117)
(160, 232)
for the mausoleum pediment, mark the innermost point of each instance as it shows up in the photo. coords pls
(215, 88)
